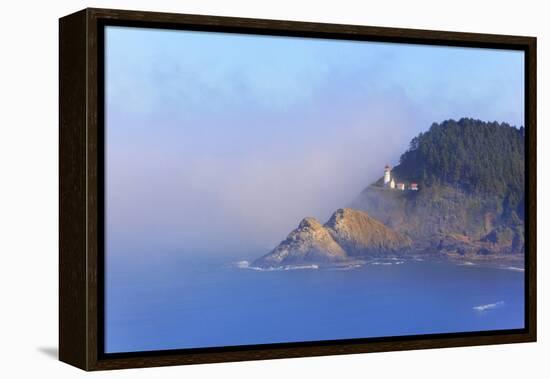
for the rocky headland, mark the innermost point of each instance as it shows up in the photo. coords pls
(458, 192)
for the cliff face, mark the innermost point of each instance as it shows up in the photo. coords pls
(446, 220)
(349, 234)
(429, 212)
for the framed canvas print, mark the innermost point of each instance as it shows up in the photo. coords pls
(237, 189)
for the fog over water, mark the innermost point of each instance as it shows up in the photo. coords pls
(222, 144)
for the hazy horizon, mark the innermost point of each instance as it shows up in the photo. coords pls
(221, 143)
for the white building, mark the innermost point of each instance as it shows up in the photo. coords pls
(387, 176)
(392, 184)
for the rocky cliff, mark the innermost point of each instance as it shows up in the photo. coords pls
(447, 220)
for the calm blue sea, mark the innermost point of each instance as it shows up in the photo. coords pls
(190, 304)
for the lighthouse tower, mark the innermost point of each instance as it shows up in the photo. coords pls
(387, 176)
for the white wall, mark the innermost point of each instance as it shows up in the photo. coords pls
(28, 190)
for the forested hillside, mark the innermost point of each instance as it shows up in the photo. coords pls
(476, 156)
(471, 180)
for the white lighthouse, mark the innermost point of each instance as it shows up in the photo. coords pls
(387, 176)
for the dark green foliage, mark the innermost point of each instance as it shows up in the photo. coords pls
(473, 156)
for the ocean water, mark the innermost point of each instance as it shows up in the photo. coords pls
(203, 303)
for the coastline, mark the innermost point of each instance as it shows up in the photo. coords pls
(514, 262)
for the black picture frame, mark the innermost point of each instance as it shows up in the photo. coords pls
(81, 181)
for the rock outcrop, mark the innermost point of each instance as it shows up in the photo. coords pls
(349, 234)
(359, 234)
(309, 243)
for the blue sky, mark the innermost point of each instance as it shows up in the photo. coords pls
(238, 137)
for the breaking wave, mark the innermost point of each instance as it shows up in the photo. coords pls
(486, 307)
(512, 268)
(348, 267)
(242, 264)
(385, 263)
(246, 265)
